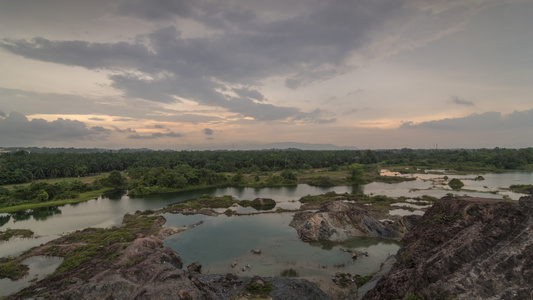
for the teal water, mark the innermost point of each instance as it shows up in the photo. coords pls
(222, 240)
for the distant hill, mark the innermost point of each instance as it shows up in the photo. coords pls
(304, 146)
(251, 146)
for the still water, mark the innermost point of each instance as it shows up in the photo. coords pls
(222, 240)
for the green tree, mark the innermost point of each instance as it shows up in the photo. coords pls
(288, 175)
(116, 180)
(356, 174)
(456, 184)
(42, 196)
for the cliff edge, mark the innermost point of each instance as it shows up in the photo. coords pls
(465, 248)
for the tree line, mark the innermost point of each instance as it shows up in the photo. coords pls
(22, 166)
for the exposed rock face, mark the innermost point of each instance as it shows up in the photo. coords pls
(339, 221)
(465, 248)
(146, 270)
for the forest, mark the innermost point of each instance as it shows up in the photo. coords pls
(23, 173)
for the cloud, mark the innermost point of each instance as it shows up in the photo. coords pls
(520, 121)
(127, 130)
(247, 93)
(208, 131)
(155, 135)
(16, 129)
(220, 53)
(459, 101)
(165, 66)
(156, 9)
(121, 110)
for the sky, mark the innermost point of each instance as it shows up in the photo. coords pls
(227, 74)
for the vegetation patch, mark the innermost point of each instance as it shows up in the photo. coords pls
(289, 273)
(206, 201)
(9, 233)
(361, 280)
(394, 179)
(456, 184)
(259, 203)
(12, 269)
(522, 188)
(321, 181)
(259, 287)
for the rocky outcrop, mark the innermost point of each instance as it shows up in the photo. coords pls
(144, 269)
(339, 221)
(465, 248)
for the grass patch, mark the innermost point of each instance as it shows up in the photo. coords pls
(361, 280)
(12, 270)
(522, 188)
(82, 197)
(257, 289)
(259, 203)
(87, 179)
(289, 273)
(393, 179)
(9, 233)
(206, 201)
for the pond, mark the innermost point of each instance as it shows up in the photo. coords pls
(233, 237)
(40, 266)
(221, 241)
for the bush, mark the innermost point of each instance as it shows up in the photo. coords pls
(456, 184)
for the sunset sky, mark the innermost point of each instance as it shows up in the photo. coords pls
(206, 74)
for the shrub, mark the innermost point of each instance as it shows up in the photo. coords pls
(456, 184)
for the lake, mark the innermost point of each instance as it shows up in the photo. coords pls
(222, 240)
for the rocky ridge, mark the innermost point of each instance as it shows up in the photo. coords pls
(465, 248)
(340, 221)
(141, 268)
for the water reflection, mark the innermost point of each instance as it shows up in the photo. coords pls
(40, 266)
(220, 241)
(114, 194)
(352, 243)
(21, 215)
(38, 214)
(4, 218)
(43, 213)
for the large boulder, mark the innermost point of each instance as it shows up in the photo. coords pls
(340, 221)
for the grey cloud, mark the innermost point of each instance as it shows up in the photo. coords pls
(96, 119)
(351, 111)
(32, 103)
(159, 126)
(309, 46)
(79, 53)
(155, 135)
(157, 9)
(123, 119)
(305, 46)
(208, 131)
(457, 100)
(247, 93)
(315, 117)
(205, 92)
(519, 121)
(127, 130)
(16, 129)
(2, 114)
